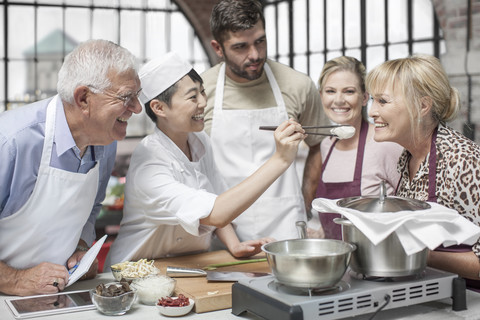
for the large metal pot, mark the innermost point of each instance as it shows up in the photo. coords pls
(387, 258)
(308, 263)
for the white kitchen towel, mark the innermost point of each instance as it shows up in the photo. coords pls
(416, 230)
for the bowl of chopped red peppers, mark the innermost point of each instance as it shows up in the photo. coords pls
(175, 306)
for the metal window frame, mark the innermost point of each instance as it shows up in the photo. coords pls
(88, 5)
(436, 39)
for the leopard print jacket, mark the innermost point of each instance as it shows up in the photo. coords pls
(457, 180)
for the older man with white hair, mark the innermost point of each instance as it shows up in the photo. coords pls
(56, 157)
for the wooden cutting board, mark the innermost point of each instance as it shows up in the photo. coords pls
(209, 296)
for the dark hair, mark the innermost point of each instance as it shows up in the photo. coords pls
(234, 15)
(166, 96)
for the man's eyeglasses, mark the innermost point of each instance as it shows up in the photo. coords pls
(128, 100)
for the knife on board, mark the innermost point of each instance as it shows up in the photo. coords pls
(176, 272)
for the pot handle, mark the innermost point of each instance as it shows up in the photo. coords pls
(383, 192)
(342, 221)
(302, 229)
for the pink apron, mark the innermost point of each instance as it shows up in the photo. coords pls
(336, 190)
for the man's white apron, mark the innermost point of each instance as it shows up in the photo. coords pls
(47, 228)
(240, 148)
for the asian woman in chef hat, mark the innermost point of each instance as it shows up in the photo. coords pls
(175, 198)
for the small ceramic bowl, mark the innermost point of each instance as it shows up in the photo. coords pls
(176, 311)
(117, 274)
(113, 306)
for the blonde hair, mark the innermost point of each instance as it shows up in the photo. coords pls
(415, 78)
(343, 63)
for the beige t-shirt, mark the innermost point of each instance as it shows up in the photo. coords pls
(301, 97)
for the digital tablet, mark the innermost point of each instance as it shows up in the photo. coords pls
(41, 305)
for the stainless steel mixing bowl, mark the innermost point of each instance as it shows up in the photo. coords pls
(309, 263)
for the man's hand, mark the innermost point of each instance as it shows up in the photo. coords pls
(42, 279)
(75, 259)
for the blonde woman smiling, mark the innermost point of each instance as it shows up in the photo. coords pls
(354, 166)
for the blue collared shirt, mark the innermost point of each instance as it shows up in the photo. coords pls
(22, 133)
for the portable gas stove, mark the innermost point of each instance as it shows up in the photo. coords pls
(353, 295)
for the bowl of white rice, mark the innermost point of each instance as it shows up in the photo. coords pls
(152, 288)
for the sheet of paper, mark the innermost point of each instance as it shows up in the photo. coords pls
(86, 262)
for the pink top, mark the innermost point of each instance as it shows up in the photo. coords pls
(379, 163)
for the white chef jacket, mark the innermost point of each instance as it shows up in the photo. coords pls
(166, 195)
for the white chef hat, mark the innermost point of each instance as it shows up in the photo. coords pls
(160, 73)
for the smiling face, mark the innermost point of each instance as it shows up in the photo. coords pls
(391, 117)
(342, 97)
(186, 111)
(244, 52)
(107, 119)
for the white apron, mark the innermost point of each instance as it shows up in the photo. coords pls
(47, 228)
(240, 148)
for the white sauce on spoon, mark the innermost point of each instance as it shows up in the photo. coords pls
(343, 132)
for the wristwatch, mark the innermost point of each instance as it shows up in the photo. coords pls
(82, 248)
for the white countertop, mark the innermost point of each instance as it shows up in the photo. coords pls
(138, 310)
(437, 310)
